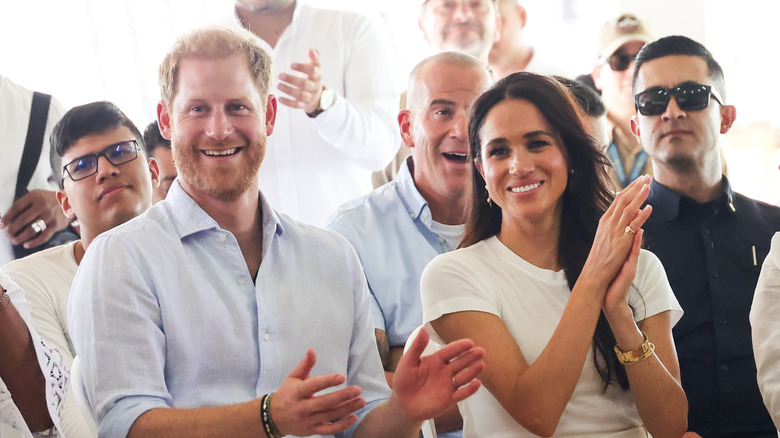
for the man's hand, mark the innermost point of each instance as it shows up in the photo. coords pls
(296, 410)
(304, 91)
(21, 221)
(425, 387)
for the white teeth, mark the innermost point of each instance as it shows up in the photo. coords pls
(220, 153)
(524, 189)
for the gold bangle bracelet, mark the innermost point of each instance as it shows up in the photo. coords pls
(636, 355)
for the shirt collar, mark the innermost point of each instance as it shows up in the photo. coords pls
(189, 218)
(413, 201)
(666, 201)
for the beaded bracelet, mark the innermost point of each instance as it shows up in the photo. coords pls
(636, 355)
(265, 416)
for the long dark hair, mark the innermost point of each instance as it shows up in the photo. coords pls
(586, 198)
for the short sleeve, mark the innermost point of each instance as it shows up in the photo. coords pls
(449, 284)
(651, 293)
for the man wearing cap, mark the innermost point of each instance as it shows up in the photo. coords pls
(619, 41)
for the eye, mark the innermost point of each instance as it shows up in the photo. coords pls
(236, 107)
(198, 109)
(497, 151)
(538, 145)
(443, 112)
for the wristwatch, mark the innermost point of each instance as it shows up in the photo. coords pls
(327, 99)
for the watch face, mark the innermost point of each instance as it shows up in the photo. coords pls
(327, 99)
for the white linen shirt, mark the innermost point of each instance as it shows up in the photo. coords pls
(163, 313)
(12, 424)
(15, 105)
(313, 165)
(765, 329)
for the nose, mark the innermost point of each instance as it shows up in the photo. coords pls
(520, 162)
(463, 12)
(219, 125)
(105, 169)
(673, 111)
(459, 128)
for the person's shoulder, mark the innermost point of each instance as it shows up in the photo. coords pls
(377, 203)
(40, 260)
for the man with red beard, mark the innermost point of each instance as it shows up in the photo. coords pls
(188, 319)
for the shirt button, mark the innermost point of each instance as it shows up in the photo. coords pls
(241, 280)
(222, 237)
(425, 214)
(266, 336)
(712, 244)
(707, 232)
(715, 274)
(724, 367)
(723, 321)
(411, 215)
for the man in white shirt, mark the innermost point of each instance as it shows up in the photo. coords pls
(101, 194)
(29, 219)
(338, 86)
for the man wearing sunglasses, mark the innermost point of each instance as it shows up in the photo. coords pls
(620, 40)
(710, 239)
(105, 179)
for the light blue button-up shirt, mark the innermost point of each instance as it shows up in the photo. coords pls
(390, 228)
(163, 313)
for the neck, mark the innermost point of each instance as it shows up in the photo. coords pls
(535, 241)
(448, 211)
(517, 61)
(268, 24)
(622, 123)
(242, 217)
(78, 251)
(699, 183)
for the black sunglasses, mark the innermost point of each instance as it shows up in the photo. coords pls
(690, 96)
(87, 165)
(619, 61)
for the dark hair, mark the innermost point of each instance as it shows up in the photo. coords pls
(680, 45)
(154, 139)
(84, 120)
(585, 199)
(587, 98)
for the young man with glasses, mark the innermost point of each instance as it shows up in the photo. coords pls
(620, 40)
(710, 239)
(105, 179)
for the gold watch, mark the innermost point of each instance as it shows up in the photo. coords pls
(327, 99)
(636, 355)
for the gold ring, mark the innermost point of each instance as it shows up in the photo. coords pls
(630, 230)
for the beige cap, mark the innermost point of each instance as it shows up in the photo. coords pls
(615, 33)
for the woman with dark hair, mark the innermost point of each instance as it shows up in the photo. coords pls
(550, 280)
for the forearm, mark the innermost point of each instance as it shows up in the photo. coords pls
(388, 421)
(239, 420)
(654, 381)
(20, 370)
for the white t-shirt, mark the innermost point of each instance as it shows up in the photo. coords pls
(489, 277)
(45, 277)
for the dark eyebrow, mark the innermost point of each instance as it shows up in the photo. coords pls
(441, 102)
(538, 133)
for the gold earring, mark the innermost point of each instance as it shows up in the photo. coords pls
(489, 201)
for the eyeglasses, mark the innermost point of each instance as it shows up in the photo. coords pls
(87, 165)
(448, 7)
(619, 61)
(690, 96)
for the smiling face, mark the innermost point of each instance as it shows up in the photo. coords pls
(523, 162)
(470, 26)
(218, 125)
(678, 140)
(113, 195)
(434, 127)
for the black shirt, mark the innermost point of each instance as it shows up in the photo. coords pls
(712, 254)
